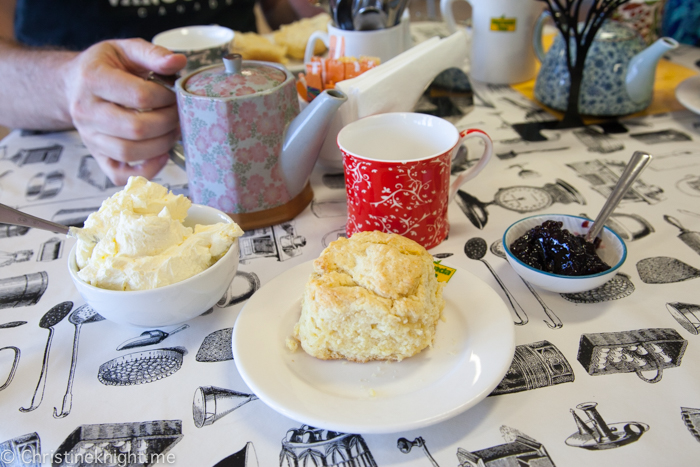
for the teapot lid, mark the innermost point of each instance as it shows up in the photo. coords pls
(234, 78)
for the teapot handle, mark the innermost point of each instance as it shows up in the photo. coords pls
(537, 35)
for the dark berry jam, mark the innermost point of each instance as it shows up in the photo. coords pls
(550, 248)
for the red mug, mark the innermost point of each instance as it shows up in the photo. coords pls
(397, 173)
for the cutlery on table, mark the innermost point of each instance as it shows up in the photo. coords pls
(343, 15)
(554, 322)
(149, 338)
(369, 16)
(475, 249)
(52, 317)
(82, 315)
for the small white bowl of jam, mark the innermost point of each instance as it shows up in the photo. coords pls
(549, 251)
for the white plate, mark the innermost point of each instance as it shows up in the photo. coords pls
(688, 93)
(473, 349)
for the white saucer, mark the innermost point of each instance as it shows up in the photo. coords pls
(688, 93)
(473, 349)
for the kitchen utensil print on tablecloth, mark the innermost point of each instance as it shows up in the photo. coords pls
(520, 198)
(210, 403)
(525, 172)
(12, 324)
(405, 446)
(150, 337)
(45, 185)
(22, 451)
(13, 367)
(128, 444)
(10, 230)
(309, 446)
(687, 315)
(7, 258)
(620, 286)
(691, 418)
(678, 159)
(243, 286)
(520, 449)
(23, 290)
(329, 208)
(52, 317)
(629, 227)
(553, 321)
(536, 365)
(51, 250)
(82, 315)
(91, 173)
(598, 141)
(533, 112)
(661, 136)
(74, 217)
(690, 238)
(141, 367)
(665, 270)
(690, 185)
(46, 155)
(246, 457)
(216, 347)
(595, 434)
(280, 241)
(637, 351)
(334, 181)
(513, 154)
(333, 235)
(475, 249)
(603, 176)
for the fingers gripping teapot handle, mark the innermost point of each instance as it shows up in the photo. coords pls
(483, 160)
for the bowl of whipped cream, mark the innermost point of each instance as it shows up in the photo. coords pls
(150, 258)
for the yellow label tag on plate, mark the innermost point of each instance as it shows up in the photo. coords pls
(442, 272)
(503, 24)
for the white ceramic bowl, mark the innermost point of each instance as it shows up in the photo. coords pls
(172, 304)
(612, 250)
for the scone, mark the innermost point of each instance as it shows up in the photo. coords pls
(253, 46)
(294, 36)
(371, 297)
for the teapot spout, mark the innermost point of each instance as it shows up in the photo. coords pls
(304, 138)
(642, 68)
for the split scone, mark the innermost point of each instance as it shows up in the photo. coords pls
(371, 297)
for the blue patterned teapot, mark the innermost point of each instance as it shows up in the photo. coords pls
(618, 75)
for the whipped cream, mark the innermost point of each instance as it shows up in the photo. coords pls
(137, 240)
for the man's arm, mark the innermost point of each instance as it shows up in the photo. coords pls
(279, 12)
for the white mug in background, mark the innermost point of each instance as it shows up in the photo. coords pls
(501, 43)
(202, 45)
(382, 43)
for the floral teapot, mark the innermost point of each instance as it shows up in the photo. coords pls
(618, 73)
(249, 151)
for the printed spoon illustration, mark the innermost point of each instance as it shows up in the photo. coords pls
(82, 315)
(475, 249)
(52, 317)
(149, 338)
(554, 322)
(12, 324)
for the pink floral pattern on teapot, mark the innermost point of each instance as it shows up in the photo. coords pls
(233, 144)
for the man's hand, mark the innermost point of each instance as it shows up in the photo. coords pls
(128, 124)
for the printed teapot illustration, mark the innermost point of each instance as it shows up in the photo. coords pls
(618, 74)
(249, 151)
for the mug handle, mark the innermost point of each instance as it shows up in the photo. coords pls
(448, 16)
(483, 160)
(311, 44)
(537, 35)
